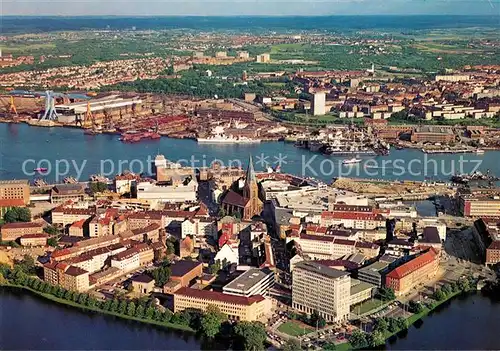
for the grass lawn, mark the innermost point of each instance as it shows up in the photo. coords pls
(295, 328)
(367, 306)
(345, 346)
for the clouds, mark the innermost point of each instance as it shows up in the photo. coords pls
(249, 7)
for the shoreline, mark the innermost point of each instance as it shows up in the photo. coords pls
(57, 300)
(280, 139)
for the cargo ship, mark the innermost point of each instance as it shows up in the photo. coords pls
(351, 161)
(225, 139)
(139, 136)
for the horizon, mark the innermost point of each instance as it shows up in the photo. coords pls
(226, 8)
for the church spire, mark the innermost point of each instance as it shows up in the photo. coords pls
(250, 177)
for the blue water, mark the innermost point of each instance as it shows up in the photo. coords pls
(12, 24)
(69, 152)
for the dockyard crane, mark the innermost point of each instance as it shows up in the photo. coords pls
(12, 106)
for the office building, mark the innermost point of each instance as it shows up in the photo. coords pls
(419, 270)
(373, 273)
(323, 289)
(15, 190)
(252, 282)
(237, 308)
(479, 206)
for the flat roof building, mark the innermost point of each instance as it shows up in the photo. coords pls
(237, 308)
(252, 282)
(373, 273)
(322, 289)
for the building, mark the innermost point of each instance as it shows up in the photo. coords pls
(237, 308)
(15, 190)
(479, 206)
(34, 240)
(69, 277)
(184, 271)
(319, 103)
(263, 58)
(252, 282)
(419, 270)
(228, 253)
(432, 134)
(66, 215)
(142, 284)
(430, 238)
(373, 273)
(248, 204)
(64, 192)
(185, 191)
(13, 231)
(127, 260)
(361, 291)
(316, 287)
(487, 237)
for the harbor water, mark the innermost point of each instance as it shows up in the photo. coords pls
(68, 152)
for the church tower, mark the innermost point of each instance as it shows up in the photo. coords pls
(251, 193)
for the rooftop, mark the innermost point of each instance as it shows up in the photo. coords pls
(142, 278)
(320, 269)
(183, 267)
(358, 286)
(218, 296)
(14, 181)
(248, 279)
(19, 225)
(413, 265)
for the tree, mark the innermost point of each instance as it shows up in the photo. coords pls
(98, 187)
(114, 305)
(439, 295)
(358, 339)
(251, 335)
(381, 325)
(215, 267)
(386, 294)
(131, 308)
(170, 247)
(329, 346)
(415, 307)
(122, 308)
(316, 320)
(26, 265)
(17, 214)
(68, 295)
(293, 345)
(375, 339)
(52, 242)
(161, 275)
(82, 299)
(211, 321)
(166, 316)
(51, 230)
(139, 311)
(149, 314)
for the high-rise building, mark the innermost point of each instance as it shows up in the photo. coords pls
(322, 289)
(319, 104)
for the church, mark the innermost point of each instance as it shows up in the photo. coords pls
(248, 204)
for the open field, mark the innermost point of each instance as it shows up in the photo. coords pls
(27, 48)
(295, 328)
(367, 306)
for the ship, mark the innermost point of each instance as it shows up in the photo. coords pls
(135, 137)
(70, 180)
(225, 139)
(40, 170)
(99, 178)
(351, 161)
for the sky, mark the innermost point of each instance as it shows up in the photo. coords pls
(248, 7)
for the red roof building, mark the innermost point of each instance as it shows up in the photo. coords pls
(419, 270)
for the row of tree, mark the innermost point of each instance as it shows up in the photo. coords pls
(210, 324)
(448, 289)
(381, 327)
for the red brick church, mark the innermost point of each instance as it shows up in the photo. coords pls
(248, 204)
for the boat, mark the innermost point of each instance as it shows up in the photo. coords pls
(69, 180)
(225, 139)
(39, 182)
(40, 170)
(479, 151)
(99, 178)
(351, 161)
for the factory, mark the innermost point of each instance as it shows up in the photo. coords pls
(97, 110)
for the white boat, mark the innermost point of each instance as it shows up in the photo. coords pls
(225, 139)
(351, 161)
(479, 151)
